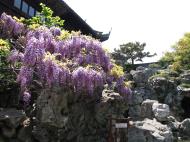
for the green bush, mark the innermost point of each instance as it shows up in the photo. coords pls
(4, 51)
(45, 17)
(179, 59)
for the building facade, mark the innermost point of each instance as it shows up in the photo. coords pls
(29, 8)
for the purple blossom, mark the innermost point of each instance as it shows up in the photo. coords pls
(87, 80)
(79, 46)
(10, 26)
(50, 68)
(80, 59)
(34, 51)
(120, 81)
(51, 46)
(122, 89)
(125, 91)
(109, 79)
(8, 22)
(55, 74)
(26, 98)
(15, 56)
(55, 31)
(64, 77)
(25, 76)
(40, 71)
(18, 28)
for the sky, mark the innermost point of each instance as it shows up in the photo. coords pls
(158, 23)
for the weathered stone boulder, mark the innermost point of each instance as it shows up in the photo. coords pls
(185, 77)
(137, 97)
(185, 127)
(128, 76)
(135, 102)
(161, 111)
(146, 108)
(160, 85)
(10, 120)
(12, 117)
(140, 68)
(184, 91)
(135, 111)
(77, 117)
(149, 131)
(24, 134)
(166, 92)
(173, 124)
(9, 93)
(141, 75)
(52, 107)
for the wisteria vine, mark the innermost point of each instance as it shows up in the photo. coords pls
(78, 62)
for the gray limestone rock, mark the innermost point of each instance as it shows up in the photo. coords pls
(8, 132)
(150, 131)
(185, 77)
(161, 111)
(137, 97)
(135, 111)
(184, 91)
(51, 106)
(141, 75)
(79, 117)
(12, 117)
(146, 108)
(185, 127)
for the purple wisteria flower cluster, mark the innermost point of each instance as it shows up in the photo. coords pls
(25, 77)
(15, 56)
(55, 31)
(78, 63)
(122, 89)
(10, 26)
(85, 51)
(87, 80)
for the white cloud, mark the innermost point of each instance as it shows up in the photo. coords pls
(159, 23)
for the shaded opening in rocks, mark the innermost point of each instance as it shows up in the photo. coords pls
(185, 104)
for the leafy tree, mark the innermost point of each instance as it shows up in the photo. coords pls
(130, 52)
(167, 59)
(180, 57)
(182, 51)
(45, 17)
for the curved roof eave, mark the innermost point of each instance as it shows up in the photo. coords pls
(58, 5)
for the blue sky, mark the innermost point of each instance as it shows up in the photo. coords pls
(159, 23)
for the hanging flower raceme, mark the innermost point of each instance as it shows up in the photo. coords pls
(51, 72)
(44, 39)
(15, 56)
(25, 77)
(64, 77)
(10, 26)
(87, 80)
(55, 31)
(39, 41)
(55, 73)
(121, 87)
(85, 51)
(34, 51)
